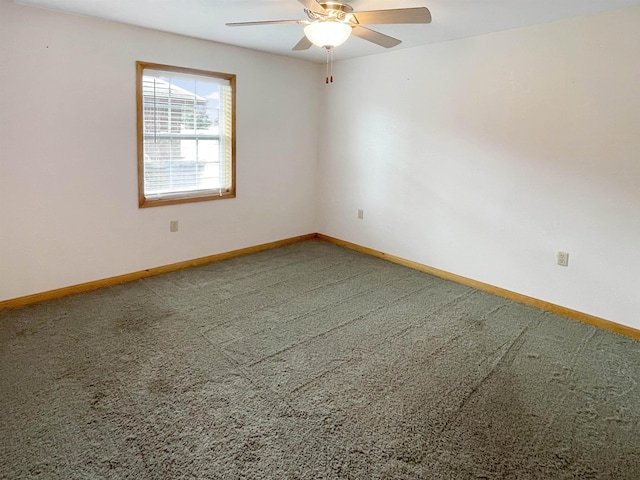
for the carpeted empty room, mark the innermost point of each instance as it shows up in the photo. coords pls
(311, 361)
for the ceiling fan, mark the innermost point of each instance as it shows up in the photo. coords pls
(331, 23)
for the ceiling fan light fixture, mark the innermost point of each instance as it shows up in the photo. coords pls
(328, 34)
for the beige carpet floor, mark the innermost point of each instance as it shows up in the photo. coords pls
(311, 362)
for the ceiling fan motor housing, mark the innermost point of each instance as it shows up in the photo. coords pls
(336, 11)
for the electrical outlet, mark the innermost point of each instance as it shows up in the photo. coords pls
(360, 214)
(173, 226)
(563, 259)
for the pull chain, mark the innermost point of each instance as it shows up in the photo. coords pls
(331, 65)
(329, 78)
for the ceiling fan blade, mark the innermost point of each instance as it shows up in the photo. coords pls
(398, 15)
(266, 22)
(314, 6)
(375, 37)
(303, 44)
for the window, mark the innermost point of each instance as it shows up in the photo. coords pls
(186, 135)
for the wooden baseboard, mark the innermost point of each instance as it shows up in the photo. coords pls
(129, 277)
(501, 292)
(485, 287)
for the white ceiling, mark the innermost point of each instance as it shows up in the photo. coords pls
(206, 19)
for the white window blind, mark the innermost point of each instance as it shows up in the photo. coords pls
(187, 134)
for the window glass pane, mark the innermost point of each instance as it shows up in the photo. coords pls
(187, 137)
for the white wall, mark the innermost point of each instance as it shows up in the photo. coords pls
(68, 178)
(482, 156)
(485, 156)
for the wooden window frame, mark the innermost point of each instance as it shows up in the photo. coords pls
(181, 197)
